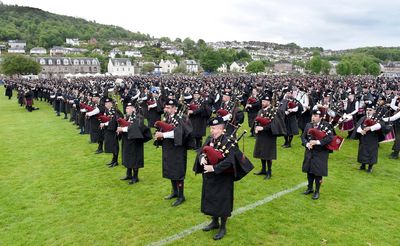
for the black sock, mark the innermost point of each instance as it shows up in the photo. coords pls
(223, 222)
(100, 147)
(135, 173)
(318, 180)
(310, 178)
(129, 172)
(263, 166)
(269, 163)
(174, 187)
(290, 140)
(286, 140)
(180, 188)
(115, 157)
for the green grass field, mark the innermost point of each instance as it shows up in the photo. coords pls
(55, 191)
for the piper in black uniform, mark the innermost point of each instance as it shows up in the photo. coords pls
(218, 188)
(174, 150)
(109, 126)
(230, 112)
(96, 135)
(265, 146)
(395, 103)
(368, 133)
(133, 137)
(9, 90)
(252, 107)
(316, 155)
(199, 112)
(221, 165)
(291, 108)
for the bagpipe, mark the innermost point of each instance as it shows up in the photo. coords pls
(318, 134)
(265, 118)
(292, 103)
(251, 100)
(169, 123)
(196, 105)
(231, 108)
(261, 121)
(220, 151)
(104, 118)
(386, 127)
(123, 122)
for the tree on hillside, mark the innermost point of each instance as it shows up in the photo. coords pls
(243, 55)
(325, 67)
(255, 67)
(358, 64)
(147, 68)
(210, 60)
(19, 65)
(315, 64)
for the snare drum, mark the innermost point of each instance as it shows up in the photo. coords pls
(390, 137)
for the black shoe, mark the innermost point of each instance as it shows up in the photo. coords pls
(308, 191)
(369, 170)
(268, 175)
(169, 197)
(393, 156)
(362, 167)
(113, 165)
(261, 173)
(284, 145)
(126, 178)
(178, 201)
(99, 151)
(213, 225)
(315, 196)
(221, 233)
(133, 181)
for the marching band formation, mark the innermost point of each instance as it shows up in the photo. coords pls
(180, 108)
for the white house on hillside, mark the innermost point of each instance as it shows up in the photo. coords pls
(17, 46)
(191, 66)
(114, 52)
(38, 51)
(120, 66)
(133, 53)
(167, 66)
(177, 52)
(238, 67)
(223, 68)
(72, 41)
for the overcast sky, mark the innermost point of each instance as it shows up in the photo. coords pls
(329, 24)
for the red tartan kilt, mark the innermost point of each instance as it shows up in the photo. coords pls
(29, 102)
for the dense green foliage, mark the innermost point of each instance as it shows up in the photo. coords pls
(356, 64)
(318, 65)
(19, 65)
(41, 28)
(255, 67)
(210, 60)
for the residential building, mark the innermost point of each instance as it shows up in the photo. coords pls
(120, 67)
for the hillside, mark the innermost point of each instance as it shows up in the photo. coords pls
(41, 28)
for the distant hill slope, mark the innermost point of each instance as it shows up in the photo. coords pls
(41, 28)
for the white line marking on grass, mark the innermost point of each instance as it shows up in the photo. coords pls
(238, 211)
